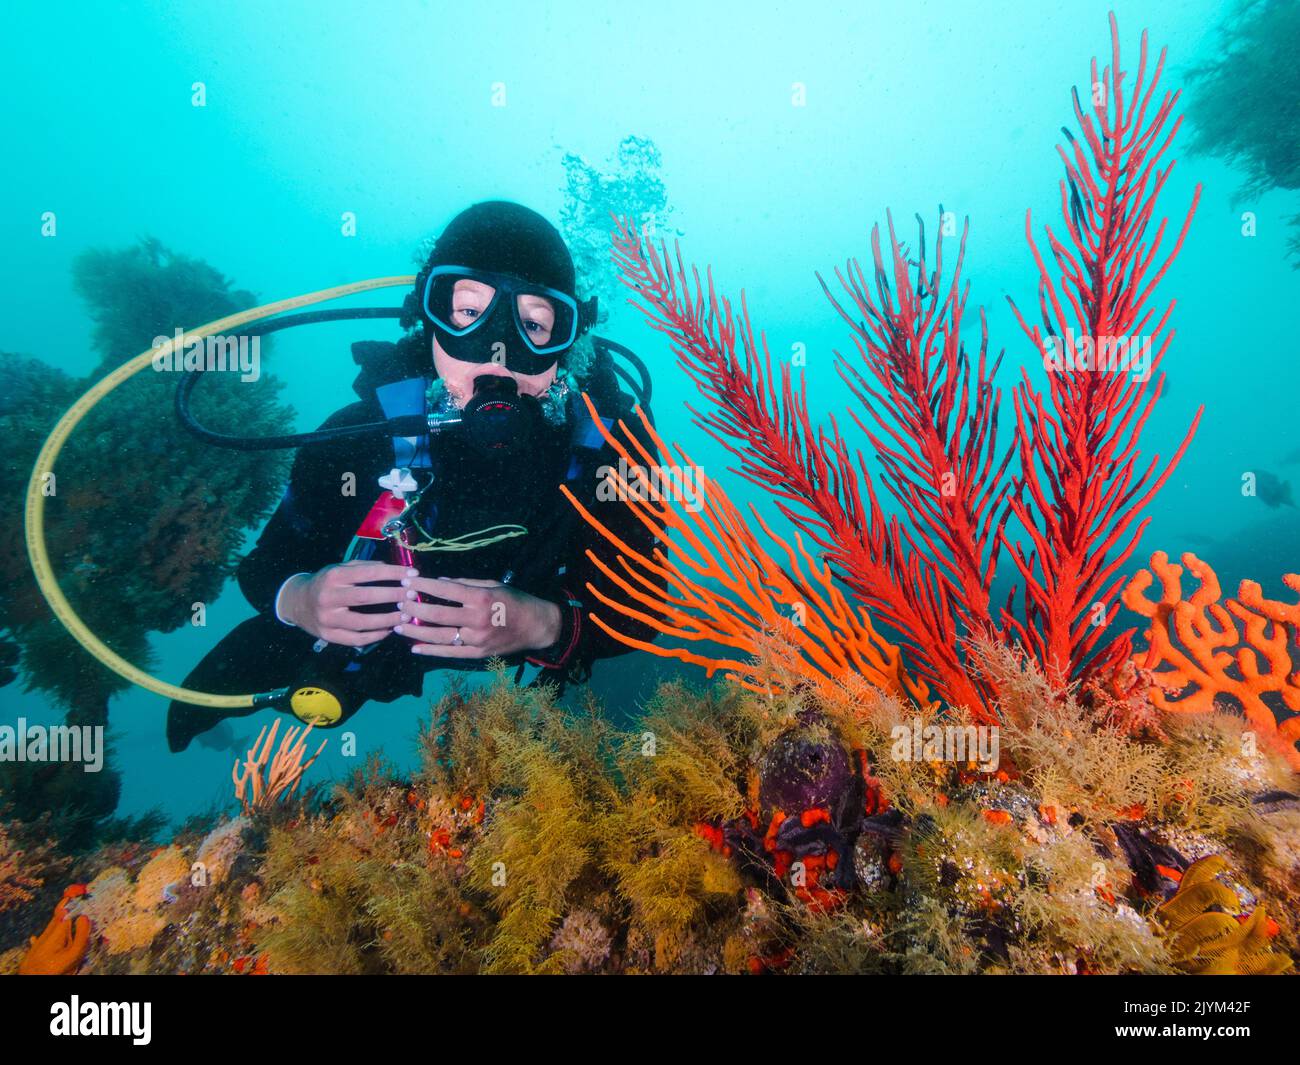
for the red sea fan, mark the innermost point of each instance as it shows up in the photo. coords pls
(931, 413)
(763, 421)
(933, 427)
(1080, 494)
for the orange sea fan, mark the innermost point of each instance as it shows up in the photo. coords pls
(281, 779)
(1188, 641)
(745, 602)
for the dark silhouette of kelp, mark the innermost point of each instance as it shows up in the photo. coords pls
(144, 522)
(1242, 101)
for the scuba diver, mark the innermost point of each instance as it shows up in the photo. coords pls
(470, 551)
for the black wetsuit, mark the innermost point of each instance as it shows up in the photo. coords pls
(318, 517)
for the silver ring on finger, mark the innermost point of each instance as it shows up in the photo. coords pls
(456, 640)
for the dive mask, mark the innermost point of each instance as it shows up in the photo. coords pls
(481, 316)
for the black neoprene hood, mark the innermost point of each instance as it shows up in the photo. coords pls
(507, 238)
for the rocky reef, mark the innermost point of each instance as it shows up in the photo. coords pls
(732, 832)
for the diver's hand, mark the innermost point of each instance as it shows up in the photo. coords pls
(321, 603)
(492, 618)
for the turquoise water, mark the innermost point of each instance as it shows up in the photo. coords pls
(317, 110)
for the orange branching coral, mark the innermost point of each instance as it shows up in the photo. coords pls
(751, 602)
(1188, 642)
(286, 768)
(60, 949)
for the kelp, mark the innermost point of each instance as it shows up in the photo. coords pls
(1234, 99)
(133, 559)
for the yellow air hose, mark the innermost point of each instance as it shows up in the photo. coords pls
(34, 517)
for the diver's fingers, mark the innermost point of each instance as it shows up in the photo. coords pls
(453, 590)
(374, 625)
(354, 621)
(361, 595)
(420, 632)
(353, 638)
(450, 650)
(440, 613)
(358, 572)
